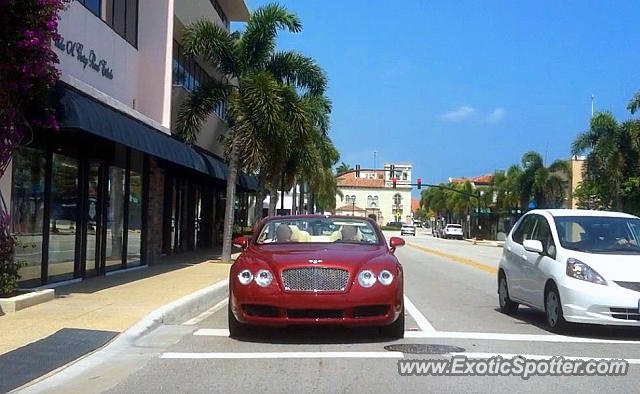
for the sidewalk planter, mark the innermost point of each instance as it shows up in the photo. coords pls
(22, 301)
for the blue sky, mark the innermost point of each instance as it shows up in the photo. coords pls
(462, 88)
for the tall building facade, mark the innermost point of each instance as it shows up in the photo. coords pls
(373, 193)
(115, 188)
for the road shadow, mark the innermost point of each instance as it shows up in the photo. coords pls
(314, 335)
(536, 318)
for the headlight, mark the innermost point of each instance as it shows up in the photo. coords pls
(579, 270)
(366, 278)
(385, 277)
(245, 277)
(264, 278)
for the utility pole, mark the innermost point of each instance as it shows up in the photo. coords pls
(374, 159)
(592, 99)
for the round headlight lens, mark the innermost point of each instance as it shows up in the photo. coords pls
(366, 278)
(385, 277)
(245, 277)
(264, 278)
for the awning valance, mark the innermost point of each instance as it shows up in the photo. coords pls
(77, 110)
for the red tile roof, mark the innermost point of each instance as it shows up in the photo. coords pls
(350, 180)
(482, 180)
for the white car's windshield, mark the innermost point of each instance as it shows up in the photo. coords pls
(317, 230)
(599, 234)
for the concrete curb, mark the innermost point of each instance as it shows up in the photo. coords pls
(175, 312)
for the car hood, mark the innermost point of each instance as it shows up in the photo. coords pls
(348, 256)
(616, 267)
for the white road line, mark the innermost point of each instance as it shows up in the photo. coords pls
(282, 355)
(514, 337)
(422, 321)
(212, 332)
(542, 357)
(207, 313)
(223, 332)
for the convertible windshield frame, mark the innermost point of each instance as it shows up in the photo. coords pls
(599, 234)
(318, 230)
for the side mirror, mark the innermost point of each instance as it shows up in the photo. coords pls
(394, 242)
(533, 245)
(242, 242)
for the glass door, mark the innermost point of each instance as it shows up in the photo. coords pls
(92, 214)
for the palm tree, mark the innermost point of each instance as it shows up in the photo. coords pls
(545, 185)
(610, 157)
(343, 167)
(262, 90)
(634, 104)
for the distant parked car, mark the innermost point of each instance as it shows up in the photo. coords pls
(453, 231)
(395, 224)
(408, 229)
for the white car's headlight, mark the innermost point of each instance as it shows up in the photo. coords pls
(264, 278)
(366, 278)
(385, 277)
(245, 277)
(579, 270)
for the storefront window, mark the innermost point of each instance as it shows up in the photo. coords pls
(92, 219)
(135, 211)
(115, 217)
(64, 214)
(27, 208)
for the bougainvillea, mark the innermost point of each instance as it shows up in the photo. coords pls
(27, 77)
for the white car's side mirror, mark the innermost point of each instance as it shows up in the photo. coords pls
(533, 245)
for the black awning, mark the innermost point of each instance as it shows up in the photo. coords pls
(76, 110)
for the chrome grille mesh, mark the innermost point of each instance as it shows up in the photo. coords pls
(315, 279)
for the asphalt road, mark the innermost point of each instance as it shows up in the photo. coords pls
(455, 303)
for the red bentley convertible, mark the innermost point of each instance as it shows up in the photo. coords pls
(314, 270)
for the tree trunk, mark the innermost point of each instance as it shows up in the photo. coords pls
(301, 202)
(261, 193)
(312, 203)
(294, 197)
(273, 195)
(229, 209)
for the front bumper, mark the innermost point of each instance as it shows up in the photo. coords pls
(376, 306)
(584, 302)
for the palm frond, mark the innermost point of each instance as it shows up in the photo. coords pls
(197, 107)
(300, 71)
(213, 43)
(634, 104)
(259, 39)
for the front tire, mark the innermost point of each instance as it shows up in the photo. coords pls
(236, 329)
(394, 330)
(553, 310)
(507, 306)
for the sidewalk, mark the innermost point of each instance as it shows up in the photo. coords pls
(113, 303)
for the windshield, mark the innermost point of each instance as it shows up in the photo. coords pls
(317, 230)
(599, 234)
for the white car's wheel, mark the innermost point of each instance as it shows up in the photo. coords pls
(506, 305)
(553, 309)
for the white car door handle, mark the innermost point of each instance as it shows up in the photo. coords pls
(524, 257)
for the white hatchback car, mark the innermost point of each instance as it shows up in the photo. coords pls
(408, 229)
(453, 231)
(575, 265)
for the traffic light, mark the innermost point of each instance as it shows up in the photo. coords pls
(357, 170)
(419, 183)
(394, 182)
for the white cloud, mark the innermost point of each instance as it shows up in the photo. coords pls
(496, 116)
(459, 114)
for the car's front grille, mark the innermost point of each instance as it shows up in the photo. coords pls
(629, 285)
(315, 313)
(625, 313)
(315, 279)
